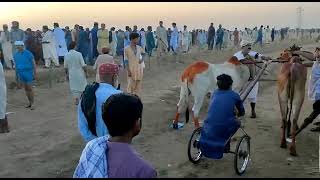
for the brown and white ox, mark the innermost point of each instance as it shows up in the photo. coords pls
(199, 79)
(291, 91)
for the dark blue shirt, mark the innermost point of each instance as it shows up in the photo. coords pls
(23, 60)
(220, 123)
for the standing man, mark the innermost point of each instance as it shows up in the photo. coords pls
(220, 34)
(272, 34)
(259, 38)
(94, 39)
(168, 38)
(49, 48)
(68, 37)
(126, 37)
(211, 36)
(174, 38)
(248, 57)
(103, 38)
(268, 35)
(75, 33)
(16, 34)
(5, 41)
(114, 42)
(61, 45)
(102, 59)
(134, 55)
(4, 127)
(108, 74)
(142, 38)
(26, 70)
(76, 72)
(162, 41)
(149, 41)
(236, 37)
(185, 39)
(313, 88)
(83, 44)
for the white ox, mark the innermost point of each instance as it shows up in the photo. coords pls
(199, 78)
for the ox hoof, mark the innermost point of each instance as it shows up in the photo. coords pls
(293, 151)
(283, 145)
(177, 126)
(253, 116)
(293, 154)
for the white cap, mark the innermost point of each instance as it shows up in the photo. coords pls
(19, 43)
(245, 43)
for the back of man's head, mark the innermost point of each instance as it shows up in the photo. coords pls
(121, 113)
(224, 82)
(133, 36)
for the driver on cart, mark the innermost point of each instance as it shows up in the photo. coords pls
(221, 123)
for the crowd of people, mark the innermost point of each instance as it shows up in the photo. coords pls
(90, 42)
(116, 116)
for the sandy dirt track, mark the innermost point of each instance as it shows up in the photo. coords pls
(46, 142)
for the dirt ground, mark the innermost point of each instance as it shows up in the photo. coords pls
(46, 142)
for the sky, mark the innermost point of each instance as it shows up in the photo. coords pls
(193, 14)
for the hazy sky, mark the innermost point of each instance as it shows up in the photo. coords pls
(192, 14)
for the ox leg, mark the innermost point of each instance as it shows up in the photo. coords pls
(297, 104)
(292, 147)
(176, 119)
(288, 128)
(283, 109)
(198, 101)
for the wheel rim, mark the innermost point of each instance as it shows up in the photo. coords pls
(243, 155)
(195, 151)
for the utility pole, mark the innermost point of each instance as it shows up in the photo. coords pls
(299, 19)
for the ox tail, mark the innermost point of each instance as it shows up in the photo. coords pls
(184, 99)
(291, 84)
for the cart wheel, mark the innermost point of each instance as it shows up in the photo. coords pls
(194, 153)
(242, 156)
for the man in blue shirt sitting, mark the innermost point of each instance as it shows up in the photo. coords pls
(25, 70)
(108, 73)
(221, 122)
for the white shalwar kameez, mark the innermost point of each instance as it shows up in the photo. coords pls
(143, 39)
(185, 41)
(49, 49)
(268, 35)
(74, 62)
(252, 97)
(3, 94)
(6, 48)
(114, 44)
(61, 44)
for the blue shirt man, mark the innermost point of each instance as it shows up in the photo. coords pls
(24, 61)
(108, 73)
(94, 38)
(221, 122)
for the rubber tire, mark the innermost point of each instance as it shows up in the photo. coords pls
(236, 155)
(190, 145)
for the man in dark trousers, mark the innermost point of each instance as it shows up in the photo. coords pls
(211, 36)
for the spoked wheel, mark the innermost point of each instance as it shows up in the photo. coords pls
(242, 156)
(194, 153)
